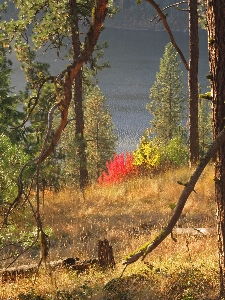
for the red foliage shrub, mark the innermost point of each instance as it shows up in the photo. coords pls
(118, 169)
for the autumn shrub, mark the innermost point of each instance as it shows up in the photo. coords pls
(147, 156)
(175, 153)
(155, 155)
(118, 169)
(190, 283)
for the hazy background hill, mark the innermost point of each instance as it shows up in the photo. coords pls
(132, 15)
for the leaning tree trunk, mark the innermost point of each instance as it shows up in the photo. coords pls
(193, 82)
(216, 44)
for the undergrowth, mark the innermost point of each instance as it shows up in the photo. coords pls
(128, 214)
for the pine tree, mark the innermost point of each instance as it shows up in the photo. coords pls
(205, 125)
(71, 28)
(99, 137)
(9, 114)
(100, 132)
(167, 97)
(12, 158)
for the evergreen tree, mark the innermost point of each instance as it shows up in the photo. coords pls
(167, 97)
(38, 121)
(99, 131)
(36, 130)
(60, 26)
(99, 136)
(12, 158)
(9, 114)
(205, 125)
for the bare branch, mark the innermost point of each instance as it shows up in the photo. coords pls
(174, 4)
(29, 112)
(31, 106)
(169, 6)
(24, 251)
(50, 119)
(150, 246)
(19, 194)
(18, 245)
(163, 18)
(66, 81)
(66, 78)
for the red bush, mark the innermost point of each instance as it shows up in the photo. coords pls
(118, 169)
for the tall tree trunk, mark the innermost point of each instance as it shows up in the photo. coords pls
(193, 82)
(79, 132)
(216, 44)
(78, 100)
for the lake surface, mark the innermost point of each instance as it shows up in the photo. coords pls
(134, 57)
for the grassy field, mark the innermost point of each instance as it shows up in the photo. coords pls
(127, 215)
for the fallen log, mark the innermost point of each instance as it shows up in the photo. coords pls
(24, 271)
(27, 271)
(105, 260)
(198, 232)
(11, 274)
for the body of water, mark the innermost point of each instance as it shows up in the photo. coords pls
(134, 57)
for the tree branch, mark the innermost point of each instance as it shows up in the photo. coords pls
(38, 159)
(169, 6)
(66, 78)
(163, 18)
(31, 106)
(150, 246)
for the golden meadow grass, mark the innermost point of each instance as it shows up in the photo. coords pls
(128, 215)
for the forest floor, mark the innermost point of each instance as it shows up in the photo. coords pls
(128, 215)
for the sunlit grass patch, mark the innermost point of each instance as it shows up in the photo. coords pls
(128, 215)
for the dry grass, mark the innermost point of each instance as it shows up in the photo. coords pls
(128, 215)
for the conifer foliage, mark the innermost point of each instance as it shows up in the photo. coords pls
(204, 125)
(99, 131)
(99, 137)
(9, 114)
(167, 97)
(164, 145)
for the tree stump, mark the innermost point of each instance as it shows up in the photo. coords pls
(105, 254)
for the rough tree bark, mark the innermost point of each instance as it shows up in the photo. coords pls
(79, 131)
(193, 82)
(105, 254)
(216, 45)
(78, 100)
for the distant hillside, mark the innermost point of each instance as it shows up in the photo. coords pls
(132, 15)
